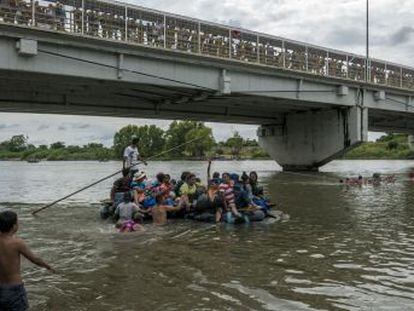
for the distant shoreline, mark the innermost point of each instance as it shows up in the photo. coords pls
(155, 160)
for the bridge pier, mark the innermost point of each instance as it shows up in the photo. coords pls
(411, 142)
(306, 141)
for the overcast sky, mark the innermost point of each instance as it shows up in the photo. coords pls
(337, 24)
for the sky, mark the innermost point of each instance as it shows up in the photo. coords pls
(338, 24)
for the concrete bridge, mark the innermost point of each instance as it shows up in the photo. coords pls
(84, 57)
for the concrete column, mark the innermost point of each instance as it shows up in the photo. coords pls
(411, 142)
(307, 140)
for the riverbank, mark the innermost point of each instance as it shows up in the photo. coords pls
(388, 147)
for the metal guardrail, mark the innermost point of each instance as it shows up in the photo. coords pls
(138, 25)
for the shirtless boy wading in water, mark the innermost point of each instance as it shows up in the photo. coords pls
(12, 292)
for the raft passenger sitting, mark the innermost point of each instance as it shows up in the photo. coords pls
(139, 186)
(210, 205)
(256, 189)
(188, 191)
(119, 188)
(226, 187)
(181, 182)
(215, 177)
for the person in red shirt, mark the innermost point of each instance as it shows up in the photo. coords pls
(226, 187)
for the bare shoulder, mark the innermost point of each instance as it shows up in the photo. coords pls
(19, 242)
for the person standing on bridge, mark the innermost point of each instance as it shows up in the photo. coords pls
(132, 157)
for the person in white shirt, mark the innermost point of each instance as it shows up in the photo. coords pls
(132, 156)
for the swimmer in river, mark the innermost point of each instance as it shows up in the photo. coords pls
(159, 211)
(12, 292)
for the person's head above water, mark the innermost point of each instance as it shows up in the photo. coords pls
(140, 176)
(160, 177)
(184, 175)
(191, 179)
(127, 197)
(216, 175)
(159, 198)
(8, 222)
(226, 177)
(125, 172)
(167, 178)
(253, 176)
(234, 177)
(135, 141)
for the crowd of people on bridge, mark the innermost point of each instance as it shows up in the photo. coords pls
(112, 21)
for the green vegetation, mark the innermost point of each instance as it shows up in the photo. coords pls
(391, 146)
(153, 140)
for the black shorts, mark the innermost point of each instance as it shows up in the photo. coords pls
(13, 298)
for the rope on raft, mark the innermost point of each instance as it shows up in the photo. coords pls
(113, 174)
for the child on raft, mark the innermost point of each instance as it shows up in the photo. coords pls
(128, 215)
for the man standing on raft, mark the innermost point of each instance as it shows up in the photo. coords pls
(132, 156)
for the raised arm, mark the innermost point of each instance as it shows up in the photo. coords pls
(209, 171)
(26, 252)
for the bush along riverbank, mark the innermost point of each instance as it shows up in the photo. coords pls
(153, 140)
(388, 147)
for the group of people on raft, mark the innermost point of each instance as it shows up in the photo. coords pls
(226, 197)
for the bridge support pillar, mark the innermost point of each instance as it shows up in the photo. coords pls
(307, 140)
(411, 142)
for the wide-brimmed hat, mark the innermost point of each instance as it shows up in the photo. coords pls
(139, 175)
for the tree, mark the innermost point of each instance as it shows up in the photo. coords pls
(93, 146)
(392, 145)
(199, 147)
(250, 143)
(151, 138)
(16, 144)
(235, 143)
(176, 135)
(57, 145)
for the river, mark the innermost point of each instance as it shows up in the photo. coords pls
(337, 248)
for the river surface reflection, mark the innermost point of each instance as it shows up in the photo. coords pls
(341, 248)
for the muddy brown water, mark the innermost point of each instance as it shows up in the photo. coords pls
(340, 249)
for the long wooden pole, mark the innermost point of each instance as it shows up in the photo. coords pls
(112, 175)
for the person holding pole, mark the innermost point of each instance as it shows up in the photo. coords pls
(132, 156)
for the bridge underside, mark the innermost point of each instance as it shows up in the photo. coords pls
(39, 93)
(55, 94)
(305, 120)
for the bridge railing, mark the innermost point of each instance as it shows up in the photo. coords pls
(128, 23)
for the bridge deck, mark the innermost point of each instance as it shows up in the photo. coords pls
(136, 25)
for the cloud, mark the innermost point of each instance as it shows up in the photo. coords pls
(403, 35)
(8, 126)
(81, 125)
(43, 127)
